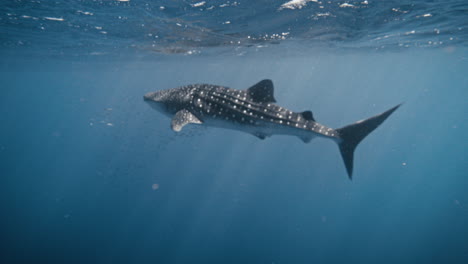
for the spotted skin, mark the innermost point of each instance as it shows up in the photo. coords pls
(235, 106)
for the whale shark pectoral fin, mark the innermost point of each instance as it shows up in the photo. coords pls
(182, 118)
(262, 92)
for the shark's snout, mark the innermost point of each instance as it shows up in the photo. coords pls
(148, 96)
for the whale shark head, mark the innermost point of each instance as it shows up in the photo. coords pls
(169, 101)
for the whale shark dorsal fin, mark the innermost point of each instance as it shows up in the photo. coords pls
(308, 115)
(262, 92)
(182, 118)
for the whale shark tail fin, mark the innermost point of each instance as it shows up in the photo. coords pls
(352, 134)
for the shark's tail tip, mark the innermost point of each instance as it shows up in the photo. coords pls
(352, 134)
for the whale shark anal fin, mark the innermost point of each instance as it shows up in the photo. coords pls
(182, 118)
(261, 135)
(306, 139)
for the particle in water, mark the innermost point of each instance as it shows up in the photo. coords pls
(324, 219)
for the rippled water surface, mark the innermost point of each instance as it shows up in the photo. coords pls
(76, 28)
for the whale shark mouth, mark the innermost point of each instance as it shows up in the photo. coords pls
(149, 96)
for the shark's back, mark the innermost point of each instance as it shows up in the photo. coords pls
(239, 106)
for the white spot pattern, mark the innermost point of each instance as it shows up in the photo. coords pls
(233, 105)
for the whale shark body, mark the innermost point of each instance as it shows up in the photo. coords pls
(254, 111)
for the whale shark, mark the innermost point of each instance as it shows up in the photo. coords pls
(254, 111)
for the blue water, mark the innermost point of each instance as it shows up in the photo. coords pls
(89, 173)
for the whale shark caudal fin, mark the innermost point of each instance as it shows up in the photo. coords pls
(352, 134)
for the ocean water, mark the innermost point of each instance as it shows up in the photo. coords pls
(89, 173)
